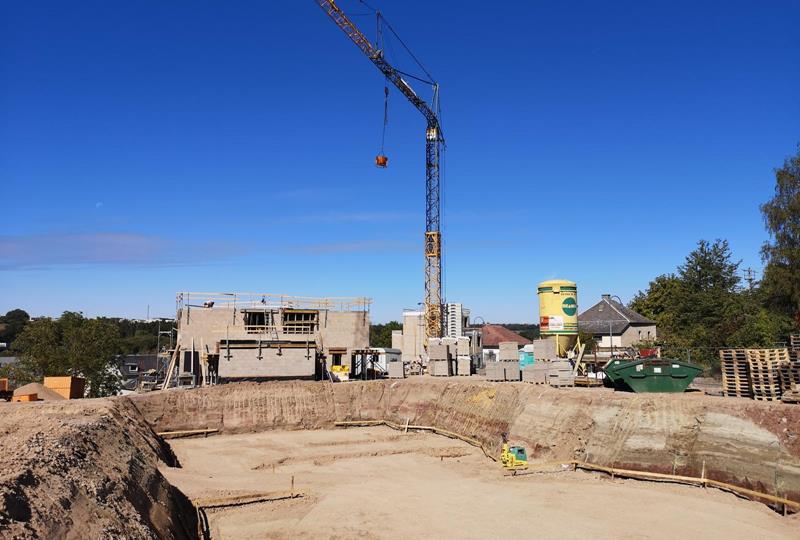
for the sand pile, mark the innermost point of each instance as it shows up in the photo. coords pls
(43, 393)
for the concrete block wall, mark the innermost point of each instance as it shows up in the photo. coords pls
(278, 363)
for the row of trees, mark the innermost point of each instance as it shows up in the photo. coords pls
(705, 304)
(75, 345)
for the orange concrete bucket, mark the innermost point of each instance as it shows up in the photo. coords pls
(381, 161)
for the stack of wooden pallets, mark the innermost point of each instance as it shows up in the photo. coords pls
(735, 373)
(790, 376)
(765, 372)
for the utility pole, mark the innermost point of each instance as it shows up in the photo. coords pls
(750, 277)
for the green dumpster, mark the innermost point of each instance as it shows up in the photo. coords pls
(651, 375)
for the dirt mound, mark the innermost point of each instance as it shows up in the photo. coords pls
(41, 391)
(85, 469)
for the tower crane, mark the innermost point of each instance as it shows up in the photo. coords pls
(434, 148)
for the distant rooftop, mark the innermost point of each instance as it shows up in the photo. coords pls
(609, 315)
(243, 300)
(494, 334)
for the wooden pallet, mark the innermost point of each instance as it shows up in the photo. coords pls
(767, 398)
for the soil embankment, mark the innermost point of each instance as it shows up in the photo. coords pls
(89, 468)
(86, 469)
(751, 444)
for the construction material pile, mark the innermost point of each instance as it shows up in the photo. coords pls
(41, 392)
(85, 469)
(761, 374)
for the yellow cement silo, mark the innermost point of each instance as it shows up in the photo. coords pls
(558, 313)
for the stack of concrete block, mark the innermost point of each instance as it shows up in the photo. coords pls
(395, 370)
(462, 346)
(464, 365)
(440, 368)
(509, 351)
(512, 371)
(438, 351)
(495, 371)
(439, 359)
(536, 373)
(560, 374)
(544, 350)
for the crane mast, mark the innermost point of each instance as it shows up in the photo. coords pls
(434, 145)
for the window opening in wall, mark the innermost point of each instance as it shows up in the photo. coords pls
(257, 322)
(300, 322)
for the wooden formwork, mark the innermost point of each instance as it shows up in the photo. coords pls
(735, 373)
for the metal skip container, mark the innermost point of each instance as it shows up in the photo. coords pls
(558, 313)
(652, 375)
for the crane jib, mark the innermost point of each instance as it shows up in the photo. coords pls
(434, 146)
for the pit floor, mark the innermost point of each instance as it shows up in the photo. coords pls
(380, 483)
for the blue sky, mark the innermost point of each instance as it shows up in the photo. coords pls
(153, 147)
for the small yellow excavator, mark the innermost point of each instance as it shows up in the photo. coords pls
(513, 458)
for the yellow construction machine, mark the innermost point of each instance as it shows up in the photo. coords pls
(513, 458)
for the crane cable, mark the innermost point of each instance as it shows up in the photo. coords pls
(385, 116)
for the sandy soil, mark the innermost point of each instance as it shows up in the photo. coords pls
(379, 483)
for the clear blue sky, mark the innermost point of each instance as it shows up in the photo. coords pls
(151, 147)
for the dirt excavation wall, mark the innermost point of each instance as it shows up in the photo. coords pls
(89, 468)
(748, 443)
(86, 469)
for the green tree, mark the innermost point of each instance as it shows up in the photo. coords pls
(70, 345)
(693, 308)
(11, 324)
(380, 335)
(781, 254)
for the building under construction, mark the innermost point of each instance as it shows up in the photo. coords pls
(254, 336)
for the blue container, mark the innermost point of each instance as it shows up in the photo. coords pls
(525, 359)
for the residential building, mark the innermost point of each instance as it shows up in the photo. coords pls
(493, 335)
(456, 319)
(614, 325)
(253, 336)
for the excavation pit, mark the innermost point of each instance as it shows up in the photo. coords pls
(377, 482)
